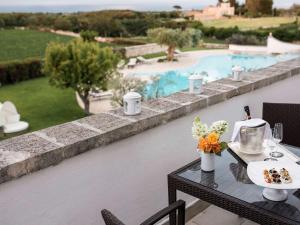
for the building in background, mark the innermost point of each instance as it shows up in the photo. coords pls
(212, 12)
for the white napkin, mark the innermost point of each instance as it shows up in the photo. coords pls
(250, 123)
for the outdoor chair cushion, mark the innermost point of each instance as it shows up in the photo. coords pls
(15, 127)
(12, 118)
(9, 108)
(2, 119)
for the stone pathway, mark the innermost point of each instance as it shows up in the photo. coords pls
(214, 215)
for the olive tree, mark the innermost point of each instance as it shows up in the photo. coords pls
(173, 38)
(120, 85)
(82, 66)
(195, 35)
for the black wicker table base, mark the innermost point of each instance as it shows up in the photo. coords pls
(229, 187)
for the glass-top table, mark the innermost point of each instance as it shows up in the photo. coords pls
(229, 187)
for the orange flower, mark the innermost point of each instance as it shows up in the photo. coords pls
(213, 138)
(210, 144)
(216, 148)
(203, 144)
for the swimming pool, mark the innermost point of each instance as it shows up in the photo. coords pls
(214, 67)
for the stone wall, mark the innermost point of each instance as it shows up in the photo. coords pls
(138, 50)
(34, 151)
(215, 46)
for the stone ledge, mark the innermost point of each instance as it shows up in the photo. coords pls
(34, 151)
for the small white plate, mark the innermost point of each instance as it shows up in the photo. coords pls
(255, 172)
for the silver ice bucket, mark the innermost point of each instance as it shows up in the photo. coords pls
(252, 139)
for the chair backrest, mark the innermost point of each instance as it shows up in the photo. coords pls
(133, 60)
(10, 112)
(289, 116)
(110, 219)
(9, 108)
(141, 58)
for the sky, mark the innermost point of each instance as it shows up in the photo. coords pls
(128, 4)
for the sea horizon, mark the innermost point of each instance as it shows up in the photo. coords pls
(145, 6)
(86, 8)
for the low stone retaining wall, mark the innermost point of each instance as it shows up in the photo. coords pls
(34, 151)
(134, 51)
(215, 46)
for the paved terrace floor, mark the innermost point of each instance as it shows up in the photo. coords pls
(73, 192)
(129, 176)
(214, 215)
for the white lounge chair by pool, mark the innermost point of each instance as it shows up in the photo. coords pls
(121, 64)
(2, 120)
(11, 119)
(132, 63)
(141, 59)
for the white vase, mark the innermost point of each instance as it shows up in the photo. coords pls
(207, 162)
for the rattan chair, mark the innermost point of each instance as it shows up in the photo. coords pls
(178, 206)
(289, 116)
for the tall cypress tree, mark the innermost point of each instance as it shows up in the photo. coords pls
(256, 7)
(266, 7)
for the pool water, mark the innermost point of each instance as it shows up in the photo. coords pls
(213, 67)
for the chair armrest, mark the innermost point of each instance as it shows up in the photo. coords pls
(179, 205)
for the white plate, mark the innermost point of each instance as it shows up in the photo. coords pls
(255, 172)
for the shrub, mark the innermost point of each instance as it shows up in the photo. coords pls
(120, 51)
(88, 35)
(127, 41)
(62, 23)
(241, 39)
(289, 32)
(16, 71)
(224, 33)
(196, 36)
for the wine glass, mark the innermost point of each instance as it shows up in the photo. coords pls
(277, 137)
(271, 145)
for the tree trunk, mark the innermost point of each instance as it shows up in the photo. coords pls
(85, 99)
(171, 51)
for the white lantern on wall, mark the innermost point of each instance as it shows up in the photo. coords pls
(196, 84)
(237, 73)
(132, 102)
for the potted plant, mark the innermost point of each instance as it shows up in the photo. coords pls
(209, 141)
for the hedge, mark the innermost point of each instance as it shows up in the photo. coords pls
(127, 41)
(286, 32)
(16, 71)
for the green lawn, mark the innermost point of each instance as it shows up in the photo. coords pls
(154, 55)
(185, 49)
(190, 49)
(249, 23)
(21, 44)
(41, 104)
